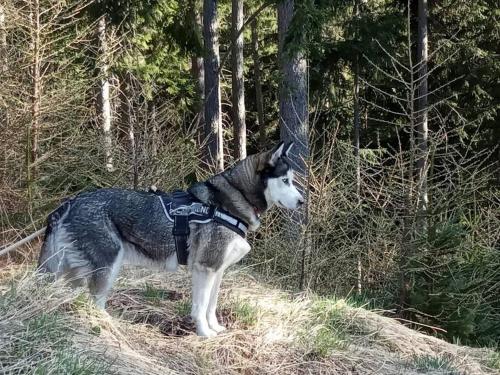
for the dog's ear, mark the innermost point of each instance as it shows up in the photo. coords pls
(276, 153)
(287, 148)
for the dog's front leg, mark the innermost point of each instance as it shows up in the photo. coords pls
(212, 305)
(203, 281)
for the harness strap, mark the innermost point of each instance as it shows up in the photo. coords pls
(180, 232)
(181, 208)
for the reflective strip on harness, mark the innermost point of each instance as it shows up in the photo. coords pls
(181, 208)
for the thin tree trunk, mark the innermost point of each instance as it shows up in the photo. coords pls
(257, 81)
(104, 94)
(154, 127)
(407, 248)
(198, 73)
(293, 105)
(4, 115)
(213, 120)
(34, 130)
(3, 40)
(127, 123)
(238, 85)
(422, 108)
(133, 149)
(197, 70)
(357, 126)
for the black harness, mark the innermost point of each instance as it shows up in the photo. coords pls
(181, 208)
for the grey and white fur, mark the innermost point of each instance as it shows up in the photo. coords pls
(90, 236)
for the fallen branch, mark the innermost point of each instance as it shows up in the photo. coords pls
(22, 242)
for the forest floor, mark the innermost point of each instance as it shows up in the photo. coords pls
(46, 328)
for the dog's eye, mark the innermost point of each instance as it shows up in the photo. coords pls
(286, 181)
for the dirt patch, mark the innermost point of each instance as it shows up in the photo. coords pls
(228, 318)
(168, 326)
(179, 326)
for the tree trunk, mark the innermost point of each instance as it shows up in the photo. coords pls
(198, 73)
(4, 116)
(3, 41)
(257, 81)
(357, 126)
(293, 100)
(154, 129)
(293, 105)
(213, 120)
(104, 96)
(34, 129)
(422, 108)
(127, 123)
(238, 85)
(133, 148)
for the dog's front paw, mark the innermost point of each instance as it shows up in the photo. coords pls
(206, 332)
(217, 327)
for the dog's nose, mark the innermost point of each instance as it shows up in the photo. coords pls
(300, 202)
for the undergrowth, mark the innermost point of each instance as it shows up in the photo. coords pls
(46, 328)
(35, 340)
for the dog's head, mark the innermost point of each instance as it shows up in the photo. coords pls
(277, 176)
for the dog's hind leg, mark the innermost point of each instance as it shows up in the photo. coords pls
(203, 281)
(213, 323)
(101, 281)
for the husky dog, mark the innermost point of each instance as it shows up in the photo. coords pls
(89, 237)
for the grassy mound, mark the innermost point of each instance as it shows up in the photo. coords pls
(46, 328)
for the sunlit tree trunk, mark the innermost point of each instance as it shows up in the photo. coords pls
(3, 40)
(213, 120)
(357, 127)
(3, 69)
(238, 88)
(257, 82)
(104, 94)
(422, 108)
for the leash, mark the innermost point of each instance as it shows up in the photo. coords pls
(14, 246)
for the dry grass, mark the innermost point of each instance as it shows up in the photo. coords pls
(47, 328)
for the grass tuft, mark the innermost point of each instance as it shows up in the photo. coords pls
(426, 363)
(182, 308)
(494, 360)
(153, 294)
(245, 314)
(328, 328)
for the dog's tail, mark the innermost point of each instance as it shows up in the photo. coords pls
(49, 258)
